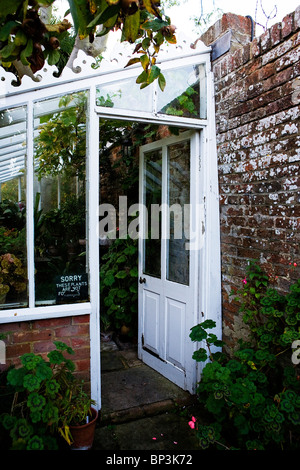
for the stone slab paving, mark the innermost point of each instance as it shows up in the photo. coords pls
(140, 408)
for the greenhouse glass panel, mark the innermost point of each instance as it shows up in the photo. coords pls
(125, 94)
(13, 249)
(61, 274)
(185, 92)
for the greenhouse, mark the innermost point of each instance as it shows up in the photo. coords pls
(56, 136)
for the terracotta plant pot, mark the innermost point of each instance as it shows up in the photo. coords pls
(83, 436)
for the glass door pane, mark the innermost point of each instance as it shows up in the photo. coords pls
(178, 201)
(153, 200)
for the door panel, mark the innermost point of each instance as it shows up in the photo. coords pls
(151, 321)
(175, 329)
(167, 269)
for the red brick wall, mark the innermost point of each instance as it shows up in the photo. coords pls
(257, 90)
(38, 336)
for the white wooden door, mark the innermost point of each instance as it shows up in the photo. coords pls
(168, 261)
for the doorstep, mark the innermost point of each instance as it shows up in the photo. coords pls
(132, 390)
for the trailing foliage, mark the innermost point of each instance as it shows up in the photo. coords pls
(61, 143)
(253, 397)
(118, 285)
(25, 37)
(47, 400)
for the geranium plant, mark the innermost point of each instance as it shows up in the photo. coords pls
(48, 399)
(252, 396)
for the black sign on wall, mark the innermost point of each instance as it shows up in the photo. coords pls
(71, 288)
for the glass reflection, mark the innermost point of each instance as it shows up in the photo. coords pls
(178, 197)
(60, 202)
(13, 258)
(153, 198)
(125, 94)
(184, 94)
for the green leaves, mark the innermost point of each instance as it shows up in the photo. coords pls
(45, 386)
(151, 32)
(149, 75)
(9, 7)
(198, 334)
(25, 37)
(252, 393)
(81, 16)
(26, 52)
(6, 30)
(131, 27)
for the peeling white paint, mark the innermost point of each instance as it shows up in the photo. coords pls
(290, 129)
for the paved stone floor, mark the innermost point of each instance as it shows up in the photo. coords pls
(141, 410)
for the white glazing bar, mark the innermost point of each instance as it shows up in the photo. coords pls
(93, 242)
(140, 116)
(42, 312)
(29, 205)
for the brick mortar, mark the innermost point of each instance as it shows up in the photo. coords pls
(38, 336)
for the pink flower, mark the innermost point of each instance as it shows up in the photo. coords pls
(244, 281)
(192, 423)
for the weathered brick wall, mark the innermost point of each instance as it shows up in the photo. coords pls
(38, 336)
(257, 90)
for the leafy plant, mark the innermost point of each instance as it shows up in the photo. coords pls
(118, 284)
(252, 397)
(72, 218)
(184, 105)
(25, 37)
(12, 274)
(7, 239)
(12, 214)
(48, 399)
(61, 143)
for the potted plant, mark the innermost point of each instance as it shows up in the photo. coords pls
(12, 275)
(78, 417)
(48, 400)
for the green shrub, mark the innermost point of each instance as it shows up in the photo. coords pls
(47, 399)
(119, 286)
(252, 396)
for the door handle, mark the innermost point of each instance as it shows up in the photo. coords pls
(142, 280)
